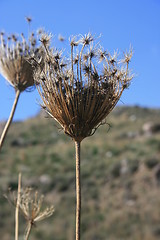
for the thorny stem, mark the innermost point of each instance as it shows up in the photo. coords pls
(28, 231)
(4, 133)
(17, 208)
(78, 190)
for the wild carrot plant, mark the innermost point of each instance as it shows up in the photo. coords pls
(80, 90)
(30, 204)
(15, 68)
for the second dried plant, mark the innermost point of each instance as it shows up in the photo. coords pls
(15, 68)
(30, 204)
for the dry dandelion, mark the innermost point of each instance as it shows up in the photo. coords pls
(15, 67)
(80, 93)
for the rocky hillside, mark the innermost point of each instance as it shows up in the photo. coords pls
(120, 177)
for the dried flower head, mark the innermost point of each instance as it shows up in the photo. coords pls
(73, 41)
(82, 93)
(45, 39)
(13, 60)
(30, 205)
(128, 55)
(86, 39)
(29, 19)
(61, 38)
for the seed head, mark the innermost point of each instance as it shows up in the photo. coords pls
(30, 205)
(128, 55)
(86, 39)
(13, 60)
(45, 39)
(73, 41)
(29, 19)
(80, 95)
(61, 38)
(102, 54)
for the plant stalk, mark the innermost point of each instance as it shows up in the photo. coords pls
(5, 130)
(17, 208)
(78, 191)
(28, 231)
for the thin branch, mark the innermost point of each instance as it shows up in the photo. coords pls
(29, 227)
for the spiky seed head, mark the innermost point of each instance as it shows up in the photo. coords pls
(80, 95)
(29, 19)
(102, 54)
(61, 38)
(73, 41)
(14, 38)
(30, 204)
(87, 39)
(128, 55)
(45, 39)
(14, 65)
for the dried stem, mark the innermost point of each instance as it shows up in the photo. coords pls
(17, 208)
(29, 227)
(78, 191)
(4, 133)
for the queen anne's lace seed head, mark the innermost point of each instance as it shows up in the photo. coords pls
(30, 204)
(14, 66)
(84, 91)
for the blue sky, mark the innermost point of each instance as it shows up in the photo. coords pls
(121, 23)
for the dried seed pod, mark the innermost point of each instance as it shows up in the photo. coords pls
(14, 65)
(85, 91)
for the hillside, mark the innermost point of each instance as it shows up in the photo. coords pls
(120, 177)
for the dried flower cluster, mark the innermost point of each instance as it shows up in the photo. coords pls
(13, 64)
(30, 205)
(79, 91)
